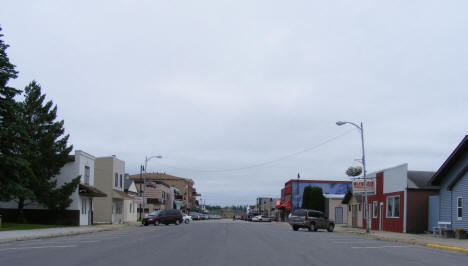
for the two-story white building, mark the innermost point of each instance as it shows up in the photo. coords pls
(80, 211)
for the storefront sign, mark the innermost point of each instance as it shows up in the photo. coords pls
(358, 186)
(138, 200)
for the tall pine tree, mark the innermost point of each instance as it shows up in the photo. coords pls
(13, 137)
(48, 150)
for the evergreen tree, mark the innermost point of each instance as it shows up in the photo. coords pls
(13, 137)
(313, 198)
(48, 150)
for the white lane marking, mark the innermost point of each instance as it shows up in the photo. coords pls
(58, 242)
(69, 246)
(386, 247)
(355, 242)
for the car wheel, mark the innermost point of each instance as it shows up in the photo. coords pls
(156, 223)
(145, 224)
(177, 222)
(295, 228)
(330, 228)
(312, 227)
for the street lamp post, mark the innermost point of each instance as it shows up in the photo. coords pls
(361, 129)
(141, 174)
(146, 164)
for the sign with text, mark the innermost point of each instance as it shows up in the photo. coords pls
(358, 186)
(138, 200)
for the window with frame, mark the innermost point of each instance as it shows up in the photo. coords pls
(116, 180)
(393, 207)
(87, 171)
(121, 181)
(460, 208)
(375, 211)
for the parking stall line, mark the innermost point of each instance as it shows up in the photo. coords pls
(384, 247)
(355, 242)
(40, 247)
(59, 242)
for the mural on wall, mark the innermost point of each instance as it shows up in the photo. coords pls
(327, 188)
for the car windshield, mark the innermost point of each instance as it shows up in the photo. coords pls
(154, 213)
(299, 213)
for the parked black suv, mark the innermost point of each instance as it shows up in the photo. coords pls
(310, 219)
(164, 217)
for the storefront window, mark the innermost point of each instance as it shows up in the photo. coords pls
(393, 207)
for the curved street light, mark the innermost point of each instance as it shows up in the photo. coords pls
(361, 129)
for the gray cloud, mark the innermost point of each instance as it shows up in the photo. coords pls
(227, 84)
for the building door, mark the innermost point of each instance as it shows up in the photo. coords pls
(90, 212)
(354, 215)
(338, 215)
(380, 216)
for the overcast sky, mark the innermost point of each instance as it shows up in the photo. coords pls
(221, 85)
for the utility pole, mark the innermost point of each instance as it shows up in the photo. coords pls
(141, 198)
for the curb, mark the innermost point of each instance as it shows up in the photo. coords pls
(447, 247)
(408, 241)
(54, 235)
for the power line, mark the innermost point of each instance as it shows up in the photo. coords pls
(264, 163)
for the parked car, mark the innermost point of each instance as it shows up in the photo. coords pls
(168, 217)
(195, 215)
(214, 216)
(250, 215)
(257, 218)
(204, 216)
(150, 218)
(310, 219)
(187, 218)
(265, 219)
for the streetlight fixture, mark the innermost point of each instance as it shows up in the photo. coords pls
(146, 164)
(361, 129)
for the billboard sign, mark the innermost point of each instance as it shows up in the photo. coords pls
(358, 186)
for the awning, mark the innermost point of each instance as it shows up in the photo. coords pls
(90, 191)
(118, 194)
(176, 191)
(286, 205)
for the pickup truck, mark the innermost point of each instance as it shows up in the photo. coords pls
(310, 219)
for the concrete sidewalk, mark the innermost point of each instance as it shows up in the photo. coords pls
(17, 235)
(415, 239)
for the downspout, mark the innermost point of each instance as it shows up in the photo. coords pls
(405, 201)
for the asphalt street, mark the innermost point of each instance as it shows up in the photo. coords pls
(221, 242)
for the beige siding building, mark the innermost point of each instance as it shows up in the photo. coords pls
(267, 206)
(353, 203)
(184, 185)
(109, 177)
(156, 194)
(335, 210)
